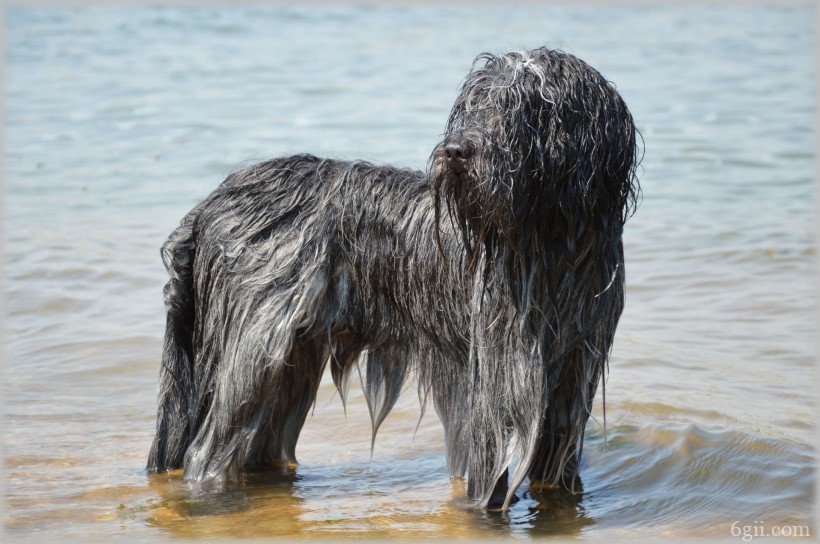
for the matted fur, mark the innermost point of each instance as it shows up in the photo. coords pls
(497, 278)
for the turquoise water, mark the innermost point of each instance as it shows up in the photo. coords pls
(119, 120)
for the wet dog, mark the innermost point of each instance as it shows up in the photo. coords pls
(496, 278)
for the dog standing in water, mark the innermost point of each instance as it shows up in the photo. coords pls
(496, 278)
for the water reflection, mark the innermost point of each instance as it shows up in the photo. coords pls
(405, 493)
(539, 513)
(279, 501)
(186, 509)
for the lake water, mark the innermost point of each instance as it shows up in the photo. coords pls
(119, 119)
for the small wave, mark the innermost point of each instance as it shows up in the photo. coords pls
(688, 478)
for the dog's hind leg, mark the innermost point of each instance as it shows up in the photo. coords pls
(256, 415)
(295, 393)
(270, 363)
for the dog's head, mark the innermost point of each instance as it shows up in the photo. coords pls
(534, 138)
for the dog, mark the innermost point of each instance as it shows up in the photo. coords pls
(496, 277)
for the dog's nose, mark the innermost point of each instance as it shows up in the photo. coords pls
(457, 154)
(456, 151)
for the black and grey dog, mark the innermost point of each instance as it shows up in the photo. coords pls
(497, 278)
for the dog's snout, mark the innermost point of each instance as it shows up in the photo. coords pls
(456, 153)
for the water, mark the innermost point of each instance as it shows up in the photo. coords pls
(118, 120)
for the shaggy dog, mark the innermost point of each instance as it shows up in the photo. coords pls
(497, 278)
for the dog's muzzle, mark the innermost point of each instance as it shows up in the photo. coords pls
(456, 151)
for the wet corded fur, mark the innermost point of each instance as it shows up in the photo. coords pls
(497, 278)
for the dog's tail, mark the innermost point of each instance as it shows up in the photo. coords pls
(175, 399)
